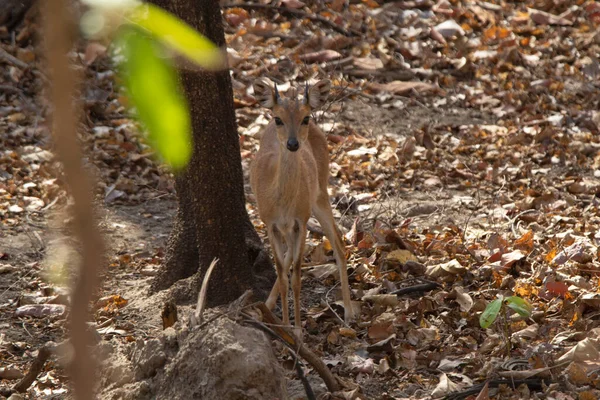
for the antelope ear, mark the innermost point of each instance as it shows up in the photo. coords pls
(318, 93)
(264, 93)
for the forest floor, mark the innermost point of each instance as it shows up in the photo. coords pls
(464, 154)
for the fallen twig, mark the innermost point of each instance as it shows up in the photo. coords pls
(259, 325)
(532, 384)
(530, 372)
(9, 58)
(197, 318)
(10, 89)
(423, 287)
(295, 13)
(36, 367)
(338, 64)
(395, 74)
(513, 227)
(277, 325)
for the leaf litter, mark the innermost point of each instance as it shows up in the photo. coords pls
(464, 151)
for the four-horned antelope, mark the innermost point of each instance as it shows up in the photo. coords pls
(289, 178)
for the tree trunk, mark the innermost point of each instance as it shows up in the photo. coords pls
(212, 220)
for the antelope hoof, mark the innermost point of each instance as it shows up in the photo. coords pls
(298, 333)
(271, 303)
(349, 315)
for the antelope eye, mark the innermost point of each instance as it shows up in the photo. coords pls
(278, 121)
(305, 120)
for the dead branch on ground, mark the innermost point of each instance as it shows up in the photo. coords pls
(257, 324)
(36, 367)
(295, 13)
(282, 331)
(197, 316)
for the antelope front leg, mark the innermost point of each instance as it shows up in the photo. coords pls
(272, 299)
(282, 268)
(324, 215)
(297, 241)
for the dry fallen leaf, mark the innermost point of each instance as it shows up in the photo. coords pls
(320, 56)
(451, 268)
(444, 387)
(368, 63)
(544, 18)
(508, 259)
(586, 349)
(292, 3)
(92, 51)
(484, 393)
(402, 88)
(463, 299)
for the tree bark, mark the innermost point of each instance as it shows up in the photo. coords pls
(211, 220)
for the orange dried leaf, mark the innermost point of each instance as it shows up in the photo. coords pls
(327, 245)
(558, 289)
(371, 3)
(574, 319)
(495, 257)
(497, 279)
(525, 242)
(550, 256)
(380, 331)
(348, 332)
(366, 242)
(235, 16)
(525, 290)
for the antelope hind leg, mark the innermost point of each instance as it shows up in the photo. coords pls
(324, 215)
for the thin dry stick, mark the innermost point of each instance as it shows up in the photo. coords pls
(36, 367)
(303, 351)
(9, 58)
(202, 294)
(58, 42)
(296, 13)
(259, 325)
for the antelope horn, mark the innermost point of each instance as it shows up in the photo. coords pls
(277, 98)
(306, 94)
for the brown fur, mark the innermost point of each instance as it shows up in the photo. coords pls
(289, 186)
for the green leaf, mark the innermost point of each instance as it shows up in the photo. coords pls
(178, 35)
(490, 313)
(154, 90)
(520, 305)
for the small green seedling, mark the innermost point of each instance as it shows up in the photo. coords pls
(515, 303)
(491, 312)
(142, 35)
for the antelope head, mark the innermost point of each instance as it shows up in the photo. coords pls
(291, 113)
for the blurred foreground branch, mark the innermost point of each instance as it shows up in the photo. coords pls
(64, 120)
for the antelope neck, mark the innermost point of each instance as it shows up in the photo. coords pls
(289, 170)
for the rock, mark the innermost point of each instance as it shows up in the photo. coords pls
(449, 29)
(119, 375)
(33, 203)
(15, 209)
(10, 373)
(223, 361)
(41, 310)
(38, 156)
(148, 357)
(5, 268)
